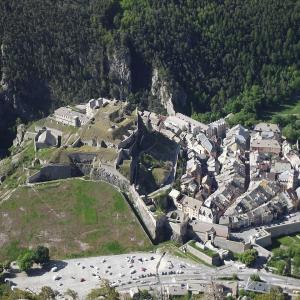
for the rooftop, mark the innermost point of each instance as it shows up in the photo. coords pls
(267, 127)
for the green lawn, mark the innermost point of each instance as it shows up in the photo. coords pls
(286, 241)
(73, 218)
(286, 255)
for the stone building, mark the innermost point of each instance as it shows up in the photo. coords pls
(67, 116)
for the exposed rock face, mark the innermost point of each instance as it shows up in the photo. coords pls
(20, 135)
(119, 73)
(172, 98)
(3, 82)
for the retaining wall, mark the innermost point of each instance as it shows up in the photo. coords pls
(215, 260)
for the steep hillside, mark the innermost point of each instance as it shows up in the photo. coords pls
(208, 57)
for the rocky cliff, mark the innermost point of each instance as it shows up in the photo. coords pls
(171, 97)
(120, 73)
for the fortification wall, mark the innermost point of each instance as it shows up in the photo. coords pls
(283, 229)
(215, 260)
(128, 141)
(110, 174)
(122, 155)
(236, 247)
(84, 166)
(264, 241)
(54, 172)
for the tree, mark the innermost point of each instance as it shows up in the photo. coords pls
(255, 277)
(46, 293)
(143, 295)
(248, 257)
(72, 294)
(105, 292)
(235, 276)
(26, 260)
(276, 293)
(41, 255)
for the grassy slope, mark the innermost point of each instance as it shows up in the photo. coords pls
(73, 217)
(292, 108)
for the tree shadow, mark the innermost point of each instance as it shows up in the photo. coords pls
(39, 271)
(260, 262)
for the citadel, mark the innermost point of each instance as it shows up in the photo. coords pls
(207, 186)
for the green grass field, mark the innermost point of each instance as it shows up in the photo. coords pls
(286, 255)
(73, 218)
(286, 241)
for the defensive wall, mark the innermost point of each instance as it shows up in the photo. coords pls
(236, 247)
(83, 165)
(54, 172)
(283, 229)
(211, 260)
(271, 232)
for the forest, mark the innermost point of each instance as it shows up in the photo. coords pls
(228, 56)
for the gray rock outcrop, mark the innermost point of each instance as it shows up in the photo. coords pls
(21, 130)
(119, 73)
(169, 96)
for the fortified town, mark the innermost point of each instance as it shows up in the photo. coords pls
(207, 186)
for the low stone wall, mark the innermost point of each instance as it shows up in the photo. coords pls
(83, 157)
(215, 260)
(54, 172)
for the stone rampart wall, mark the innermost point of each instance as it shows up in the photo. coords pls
(283, 229)
(128, 141)
(215, 260)
(54, 172)
(264, 241)
(236, 247)
(111, 175)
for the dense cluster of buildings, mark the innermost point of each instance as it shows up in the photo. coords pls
(234, 177)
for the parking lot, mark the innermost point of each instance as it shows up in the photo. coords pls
(84, 274)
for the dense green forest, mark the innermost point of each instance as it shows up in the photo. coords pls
(238, 56)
